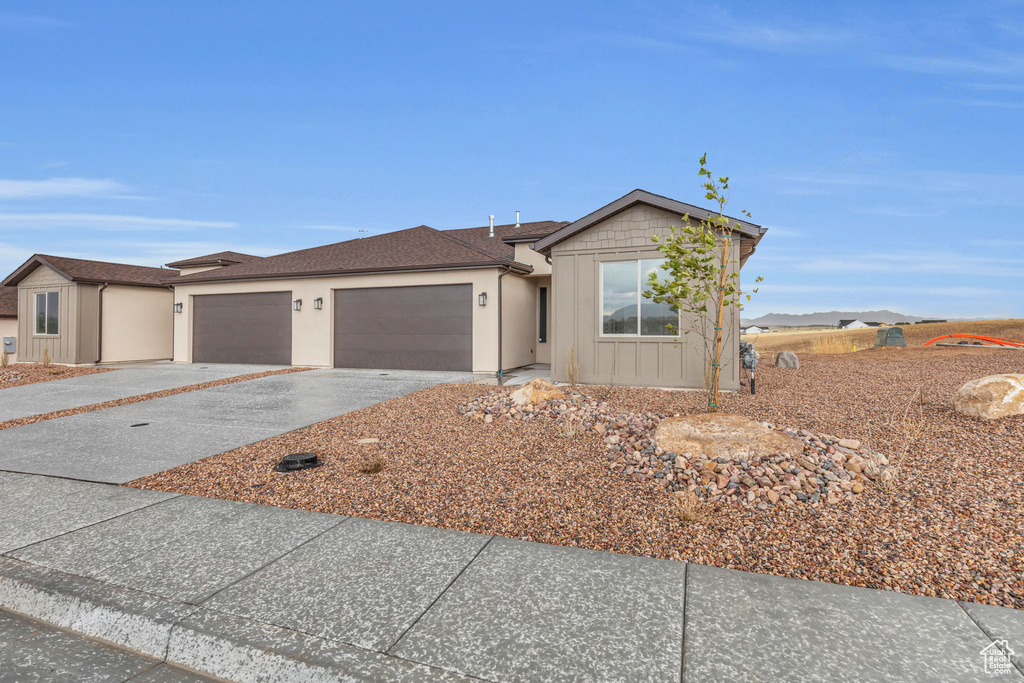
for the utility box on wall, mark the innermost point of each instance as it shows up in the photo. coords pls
(11, 344)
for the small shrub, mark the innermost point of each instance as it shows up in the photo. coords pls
(372, 464)
(833, 344)
(572, 367)
(689, 509)
(5, 360)
(571, 426)
(44, 358)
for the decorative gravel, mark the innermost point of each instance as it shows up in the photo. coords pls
(19, 374)
(828, 469)
(142, 397)
(951, 525)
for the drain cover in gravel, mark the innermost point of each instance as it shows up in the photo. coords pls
(298, 461)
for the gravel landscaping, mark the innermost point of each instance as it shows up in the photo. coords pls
(19, 374)
(950, 523)
(142, 397)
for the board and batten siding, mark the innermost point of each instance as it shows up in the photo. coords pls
(63, 346)
(576, 316)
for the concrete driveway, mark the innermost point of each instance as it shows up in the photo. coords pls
(74, 392)
(117, 445)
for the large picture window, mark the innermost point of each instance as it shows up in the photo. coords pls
(47, 312)
(624, 310)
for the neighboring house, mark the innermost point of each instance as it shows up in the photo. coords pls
(485, 299)
(91, 311)
(753, 329)
(9, 318)
(852, 325)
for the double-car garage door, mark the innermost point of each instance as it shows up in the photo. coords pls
(411, 328)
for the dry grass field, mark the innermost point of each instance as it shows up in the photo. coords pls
(819, 340)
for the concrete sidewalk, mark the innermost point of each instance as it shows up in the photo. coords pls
(248, 592)
(75, 392)
(119, 444)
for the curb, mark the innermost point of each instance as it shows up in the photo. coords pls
(203, 640)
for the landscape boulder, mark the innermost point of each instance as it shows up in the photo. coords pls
(992, 397)
(536, 391)
(719, 435)
(787, 359)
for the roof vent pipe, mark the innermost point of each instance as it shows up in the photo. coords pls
(491, 233)
(517, 219)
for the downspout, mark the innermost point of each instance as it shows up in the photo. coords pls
(99, 331)
(501, 371)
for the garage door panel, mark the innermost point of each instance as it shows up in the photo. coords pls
(414, 328)
(242, 328)
(406, 310)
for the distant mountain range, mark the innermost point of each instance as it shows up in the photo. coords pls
(833, 318)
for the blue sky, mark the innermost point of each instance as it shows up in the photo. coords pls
(880, 142)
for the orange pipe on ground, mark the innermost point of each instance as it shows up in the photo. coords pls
(992, 340)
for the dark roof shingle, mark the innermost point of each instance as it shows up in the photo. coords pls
(98, 272)
(225, 257)
(8, 302)
(416, 248)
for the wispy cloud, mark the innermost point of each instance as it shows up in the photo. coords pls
(108, 222)
(958, 292)
(995, 103)
(61, 187)
(914, 262)
(29, 22)
(897, 212)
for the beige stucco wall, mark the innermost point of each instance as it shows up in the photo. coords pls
(189, 270)
(313, 330)
(63, 346)
(519, 323)
(524, 254)
(138, 323)
(9, 328)
(575, 301)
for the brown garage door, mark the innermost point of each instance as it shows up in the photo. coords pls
(404, 328)
(242, 328)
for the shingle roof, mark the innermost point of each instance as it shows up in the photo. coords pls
(417, 248)
(8, 302)
(97, 272)
(225, 257)
(744, 228)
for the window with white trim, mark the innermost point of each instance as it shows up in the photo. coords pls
(625, 312)
(47, 313)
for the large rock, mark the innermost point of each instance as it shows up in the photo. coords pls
(536, 391)
(719, 435)
(787, 359)
(991, 398)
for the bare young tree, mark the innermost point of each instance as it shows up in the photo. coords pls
(697, 282)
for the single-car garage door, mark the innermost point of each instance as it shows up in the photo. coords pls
(404, 328)
(242, 328)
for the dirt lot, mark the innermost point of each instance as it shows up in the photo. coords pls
(18, 374)
(802, 341)
(953, 527)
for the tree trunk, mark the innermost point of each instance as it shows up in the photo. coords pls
(717, 367)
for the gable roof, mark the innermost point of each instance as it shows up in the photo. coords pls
(94, 272)
(744, 228)
(220, 258)
(419, 248)
(8, 302)
(844, 323)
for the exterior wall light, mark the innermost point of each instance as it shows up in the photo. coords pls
(318, 303)
(177, 307)
(481, 299)
(297, 305)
